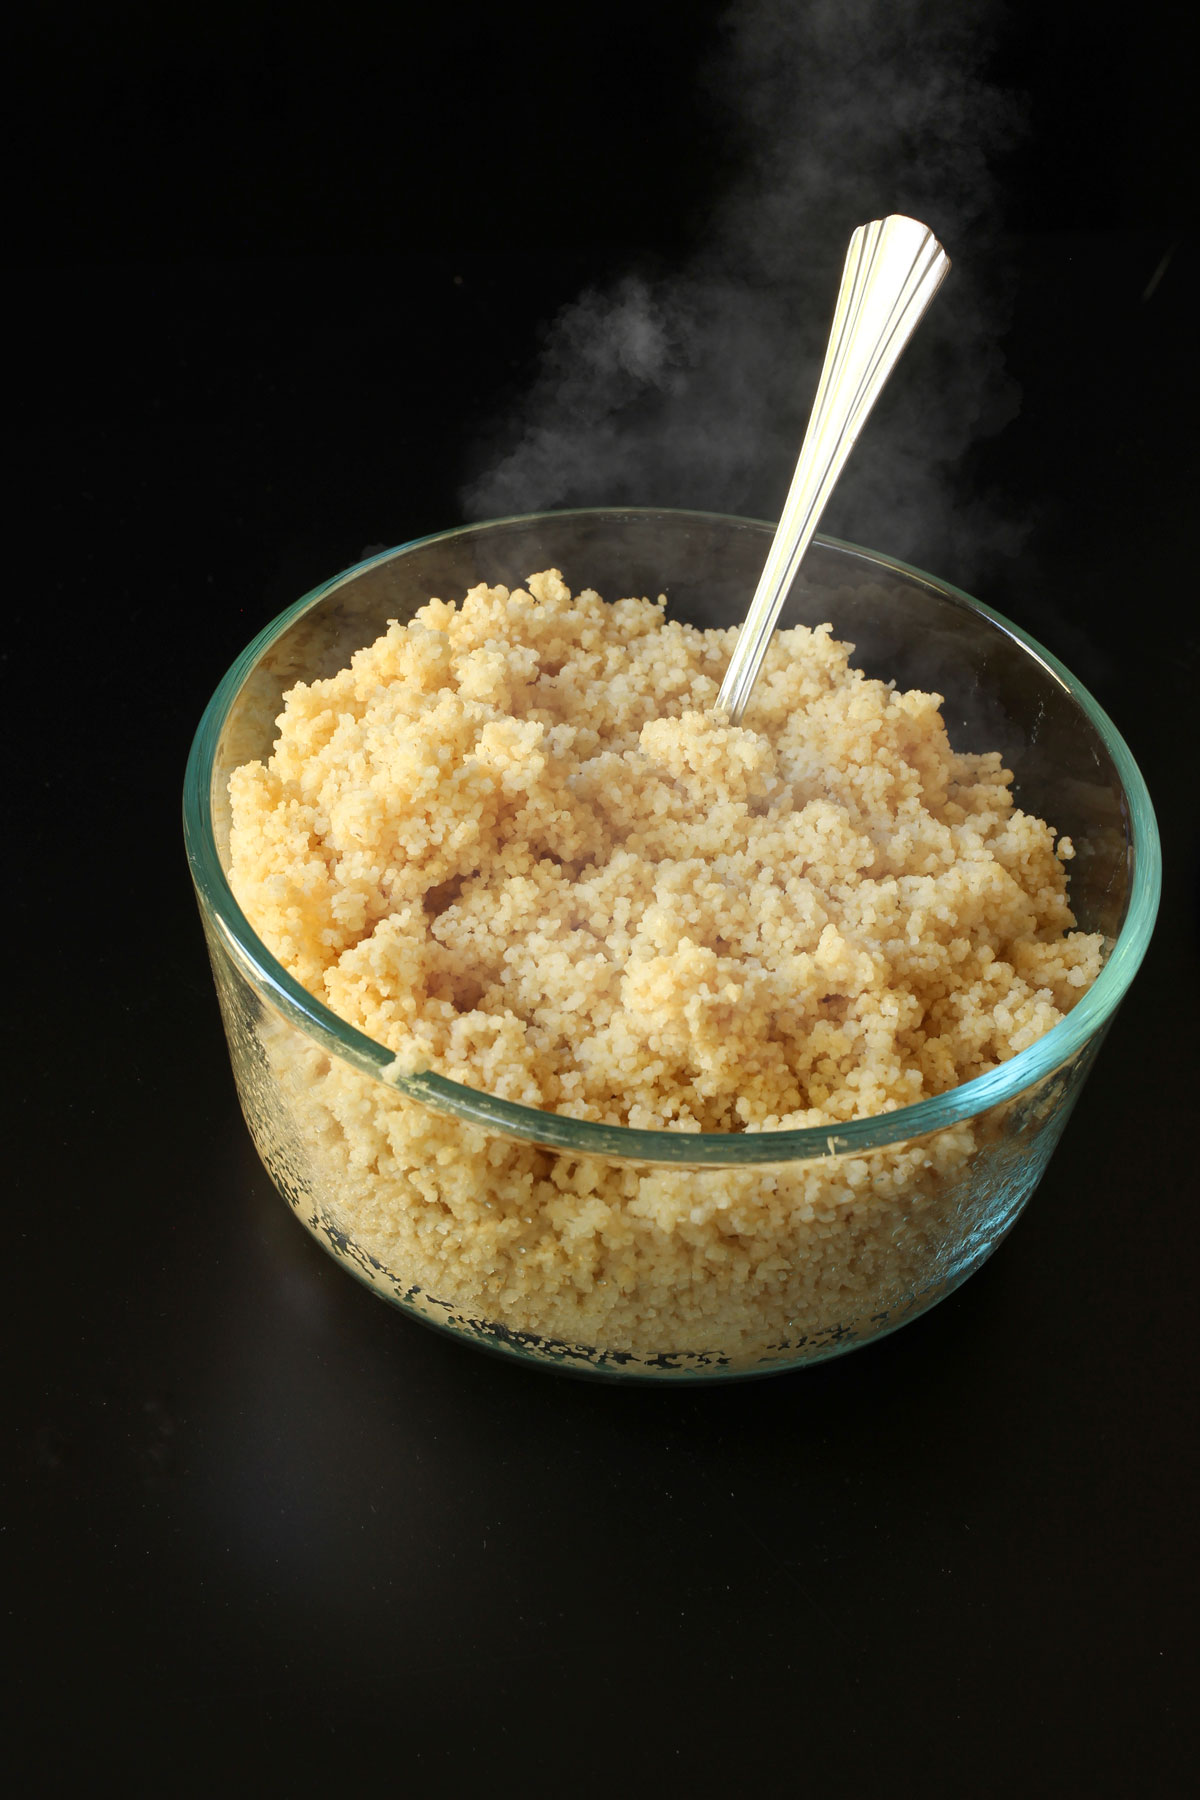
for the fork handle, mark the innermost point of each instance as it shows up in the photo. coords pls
(894, 267)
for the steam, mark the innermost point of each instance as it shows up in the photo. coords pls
(693, 389)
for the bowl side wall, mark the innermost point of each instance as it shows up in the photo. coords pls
(620, 1269)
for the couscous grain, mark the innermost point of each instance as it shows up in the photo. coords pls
(512, 843)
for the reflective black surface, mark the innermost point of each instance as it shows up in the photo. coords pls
(262, 1531)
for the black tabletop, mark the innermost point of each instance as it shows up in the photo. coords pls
(292, 287)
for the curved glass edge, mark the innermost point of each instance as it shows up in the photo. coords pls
(619, 1373)
(585, 1137)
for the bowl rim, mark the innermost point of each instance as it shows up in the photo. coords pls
(674, 1146)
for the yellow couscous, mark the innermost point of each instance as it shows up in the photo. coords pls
(513, 843)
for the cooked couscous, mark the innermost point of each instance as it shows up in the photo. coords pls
(512, 843)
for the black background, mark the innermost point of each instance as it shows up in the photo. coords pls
(262, 1532)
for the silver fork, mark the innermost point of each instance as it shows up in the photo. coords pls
(894, 267)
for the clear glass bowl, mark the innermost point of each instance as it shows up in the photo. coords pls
(717, 1254)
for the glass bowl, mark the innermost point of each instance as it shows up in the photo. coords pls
(668, 1255)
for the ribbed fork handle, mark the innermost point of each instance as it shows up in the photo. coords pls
(894, 267)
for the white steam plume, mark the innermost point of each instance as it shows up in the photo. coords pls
(693, 389)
